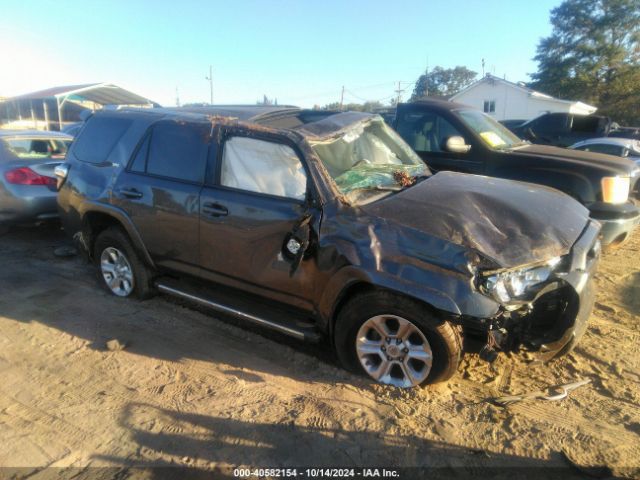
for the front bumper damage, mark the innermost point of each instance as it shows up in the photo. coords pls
(557, 318)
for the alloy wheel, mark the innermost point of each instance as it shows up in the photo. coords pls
(116, 271)
(394, 351)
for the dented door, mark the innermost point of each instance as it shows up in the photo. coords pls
(245, 227)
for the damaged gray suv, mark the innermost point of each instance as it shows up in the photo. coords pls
(328, 227)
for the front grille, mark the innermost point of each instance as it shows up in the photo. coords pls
(552, 314)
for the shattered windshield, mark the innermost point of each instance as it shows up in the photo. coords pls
(492, 133)
(37, 148)
(369, 161)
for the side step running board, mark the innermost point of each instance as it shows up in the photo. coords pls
(301, 334)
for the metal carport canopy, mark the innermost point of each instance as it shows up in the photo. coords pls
(104, 94)
(100, 93)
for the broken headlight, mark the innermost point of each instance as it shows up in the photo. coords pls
(512, 286)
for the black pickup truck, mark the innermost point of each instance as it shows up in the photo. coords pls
(566, 129)
(563, 129)
(451, 136)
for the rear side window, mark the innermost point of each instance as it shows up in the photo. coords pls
(585, 124)
(139, 163)
(36, 148)
(551, 123)
(177, 151)
(98, 138)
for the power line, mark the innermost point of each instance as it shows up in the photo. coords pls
(356, 96)
(323, 94)
(406, 85)
(378, 85)
(352, 89)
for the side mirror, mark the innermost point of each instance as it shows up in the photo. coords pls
(456, 144)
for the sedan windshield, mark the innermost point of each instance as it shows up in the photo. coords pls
(37, 148)
(491, 132)
(369, 161)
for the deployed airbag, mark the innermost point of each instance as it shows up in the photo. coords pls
(263, 167)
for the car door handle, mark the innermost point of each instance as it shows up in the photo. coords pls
(130, 193)
(214, 209)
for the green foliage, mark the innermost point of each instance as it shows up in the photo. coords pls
(593, 55)
(442, 82)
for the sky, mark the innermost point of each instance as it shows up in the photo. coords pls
(298, 52)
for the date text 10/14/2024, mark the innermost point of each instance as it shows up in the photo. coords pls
(315, 473)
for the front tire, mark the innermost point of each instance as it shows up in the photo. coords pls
(121, 271)
(396, 340)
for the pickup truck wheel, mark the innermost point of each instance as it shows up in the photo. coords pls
(396, 341)
(121, 270)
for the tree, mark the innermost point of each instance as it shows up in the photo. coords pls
(442, 82)
(593, 55)
(368, 106)
(265, 101)
(372, 105)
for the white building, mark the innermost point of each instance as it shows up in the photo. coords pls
(506, 100)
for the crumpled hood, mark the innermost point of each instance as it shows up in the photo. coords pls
(510, 223)
(617, 165)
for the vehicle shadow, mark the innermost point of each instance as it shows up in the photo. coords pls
(66, 294)
(179, 439)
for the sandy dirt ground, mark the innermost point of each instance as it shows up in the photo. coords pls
(192, 390)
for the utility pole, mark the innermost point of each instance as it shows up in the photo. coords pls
(177, 98)
(342, 98)
(399, 92)
(210, 78)
(426, 77)
(483, 68)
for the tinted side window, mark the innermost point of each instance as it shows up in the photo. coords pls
(98, 137)
(552, 123)
(139, 163)
(426, 132)
(445, 130)
(585, 124)
(178, 151)
(263, 167)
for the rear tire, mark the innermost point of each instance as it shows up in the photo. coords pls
(120, 269)
(356, 340)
